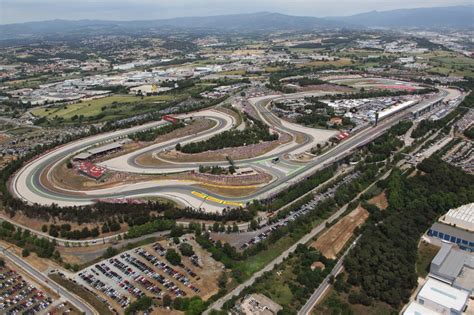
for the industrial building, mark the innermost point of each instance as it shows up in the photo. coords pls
(456, 227)
(462, 217)
(442, 298)
(415, 308)
(454, 267)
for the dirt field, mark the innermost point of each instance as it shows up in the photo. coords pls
(380, 201)
(334, 239)
(41, 264)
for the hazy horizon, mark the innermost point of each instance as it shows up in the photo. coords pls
(19, 11)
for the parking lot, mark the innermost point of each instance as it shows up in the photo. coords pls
(462, 155)
(266, 229)
(18, 296)
(145, 271)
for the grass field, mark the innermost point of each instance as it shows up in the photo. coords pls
(426, 253)
(337, 303)
(448, 63)
(257, 262)
(117, 104)
(277, 287)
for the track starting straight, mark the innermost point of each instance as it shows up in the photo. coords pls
(216, 200)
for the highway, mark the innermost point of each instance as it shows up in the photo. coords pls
(27, 182)
(37, 275)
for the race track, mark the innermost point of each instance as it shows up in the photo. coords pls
(27, 182)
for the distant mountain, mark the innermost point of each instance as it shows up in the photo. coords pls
(457, 17)
(439, 17)
(262, 21)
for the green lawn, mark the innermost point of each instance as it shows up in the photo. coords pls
(94, 107)
(257, 262)
(426, 253)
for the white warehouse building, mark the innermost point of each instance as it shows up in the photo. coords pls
(442, 298)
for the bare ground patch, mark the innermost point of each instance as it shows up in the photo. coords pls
(380, 201)
(334, 239)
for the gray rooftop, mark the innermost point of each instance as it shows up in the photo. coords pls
(454, 266)
(105, 148)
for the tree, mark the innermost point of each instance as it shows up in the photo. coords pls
(141, 304)
(25, 252)
(186, 249)
(253, 225)
(167, 300)
(173, 257)
(110, 252)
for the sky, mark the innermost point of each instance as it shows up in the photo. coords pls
(15, 11)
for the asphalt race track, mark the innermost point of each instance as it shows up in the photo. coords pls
(27, 185)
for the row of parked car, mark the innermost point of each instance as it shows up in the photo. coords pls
(18, 296)
(99, 285)
(168, 284)
(304, 209)
(166, 268)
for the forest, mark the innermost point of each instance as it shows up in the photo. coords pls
(383, 262)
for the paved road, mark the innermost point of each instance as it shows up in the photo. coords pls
(306, 309)
(305, 239)
(27, 184)
(37, 275)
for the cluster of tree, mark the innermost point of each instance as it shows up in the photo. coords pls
(346, 192)
(382, 147)
(110, 226)
(423, 128)
(65, 231)
(99, 212)
(295, 190)
(303, 280)
(151, 135)
(32, 243)
(401, 127)
(186, 249)
(305, 81)
(469, 133)
(150, 227)
(391, 241)
(173, 257)
(255, 133)
(335, 305)
(141, 304)
(190, 306)
(234, 214)
(216, 170)
(216, 227)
